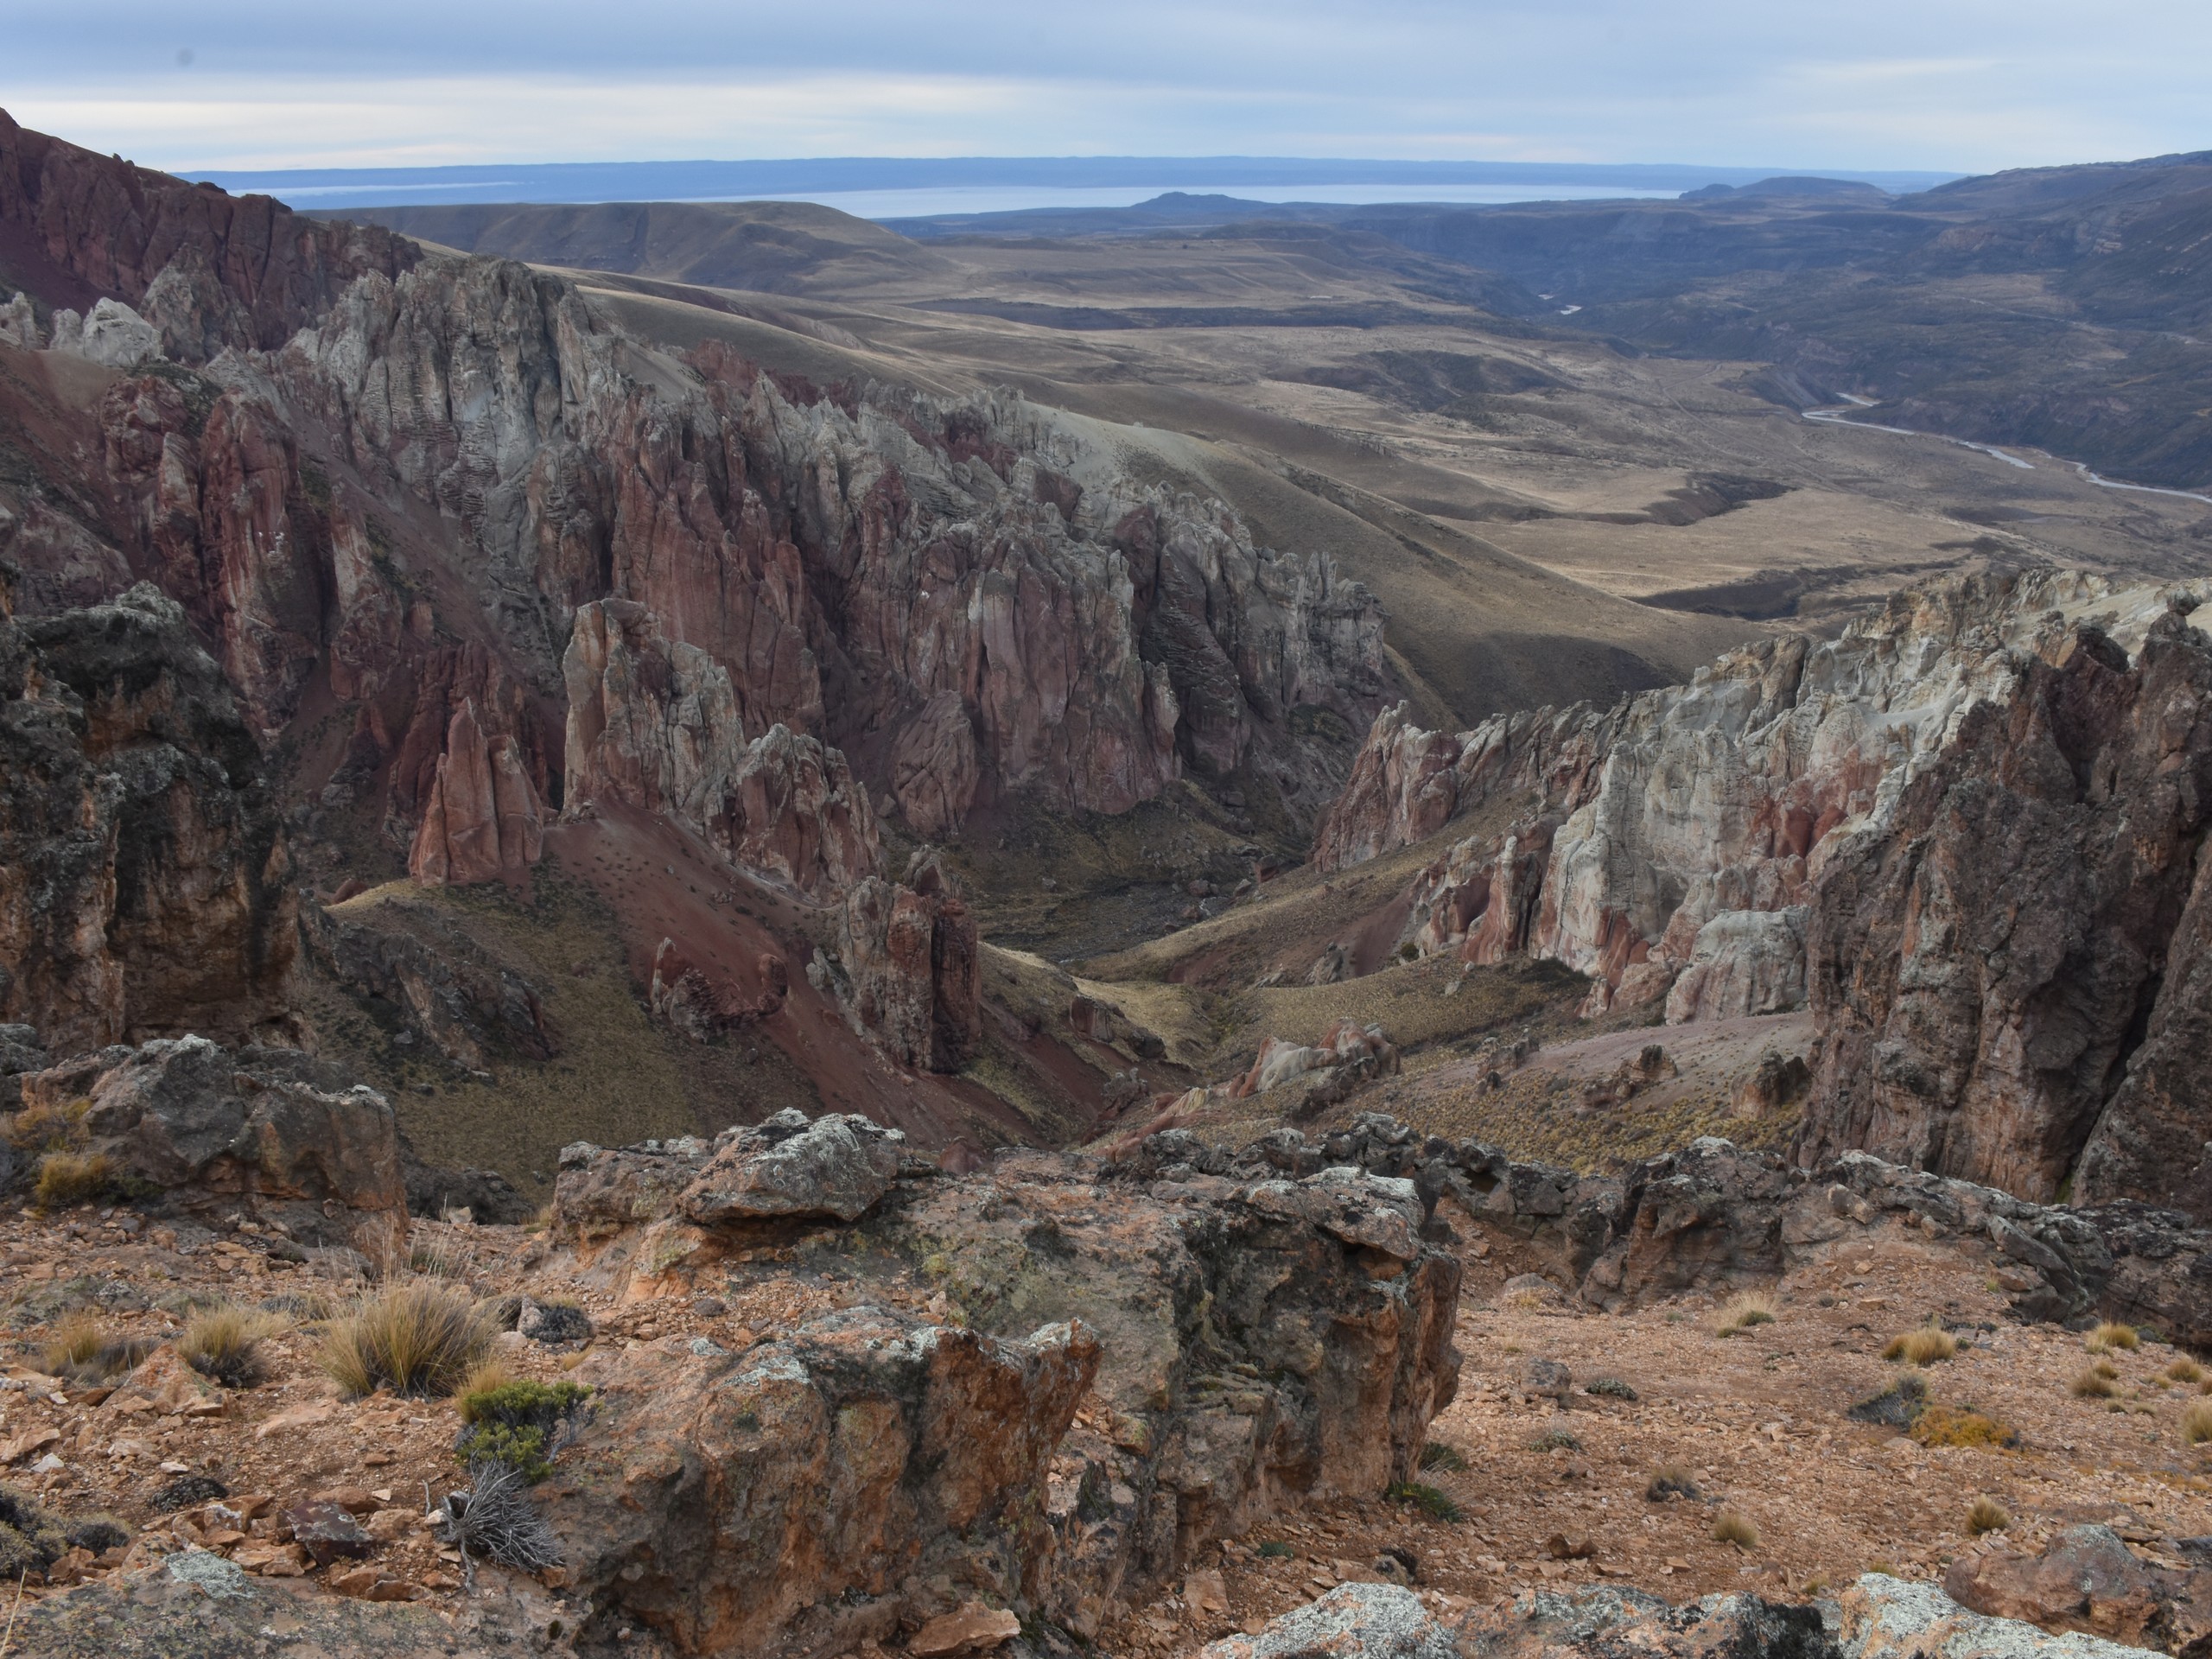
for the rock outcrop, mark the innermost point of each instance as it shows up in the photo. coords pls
(909, 968)
(800, 1496)
(2087, 1579)
(209, 269)
(1373, 1621)
(1967, 831)
(143, 860)
(2006, 972)
(1242, 1345)
(483, 821)
(206, 1126)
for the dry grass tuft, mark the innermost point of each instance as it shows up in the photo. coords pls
(2197, 1422)
(2185, 1370)
(2114, 1334)
(487, 1375)
(418, 1338)
(81, 1351)
(1987, 1515)
(66, 1178)
(1960, 1425)
(1743, 1310)
(1735, 1527)
(223, 1343)
(2093, 1385)
(1672, 1480)
(1925, 1346)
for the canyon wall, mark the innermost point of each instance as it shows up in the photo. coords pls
(1966, 832)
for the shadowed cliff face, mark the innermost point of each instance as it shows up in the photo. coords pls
(144, 890)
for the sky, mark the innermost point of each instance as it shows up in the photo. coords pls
(1955, 84)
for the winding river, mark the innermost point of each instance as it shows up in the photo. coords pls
(1840, 415)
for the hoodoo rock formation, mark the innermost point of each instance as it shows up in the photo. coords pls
(1967, 831)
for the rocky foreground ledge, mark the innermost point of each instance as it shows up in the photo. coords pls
(841, 1400)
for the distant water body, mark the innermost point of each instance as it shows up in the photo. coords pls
(1011, 198)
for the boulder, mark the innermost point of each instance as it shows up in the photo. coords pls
(804, 1496)
(1353, 1621)
(1600, 1623)
(2085, 1579)
(836, 1165)
(1883, 1618)
(211, 1125)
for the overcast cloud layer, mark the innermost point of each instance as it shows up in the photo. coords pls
(1970, 84)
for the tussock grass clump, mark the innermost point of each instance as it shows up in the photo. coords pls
(1925, 1346)
(2091, 1383)
(1438, 1506)
(2197, 1422)
(67, 1178)
(2186, 1370)
(1985, 1514)
(223, 1344)
(418, 1338)
(488, 1375)
(1961, 1425)
(1743, 1310)
(1733, 1527)
(1673, 1480)
(82, 1352)
(2114, 1334)
(1449, 1458)
(49, 1127)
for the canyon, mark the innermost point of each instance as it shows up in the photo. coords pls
(921, 903)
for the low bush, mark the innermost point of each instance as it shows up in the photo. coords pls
(518, 1424)
(1961, 1425)
(1274, 1550)
(1554, 1439)
(1743, 1310)
(1437, 1455)
(67, 1179)
(84, 1354)
(416, 1338)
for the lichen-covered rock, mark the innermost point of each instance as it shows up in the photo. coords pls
(1885, 1617)
(838, 1165)
(1353, 1621)
(802, 1496)
(1612, 1623)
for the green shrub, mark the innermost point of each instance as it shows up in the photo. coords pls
(517, 1424)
